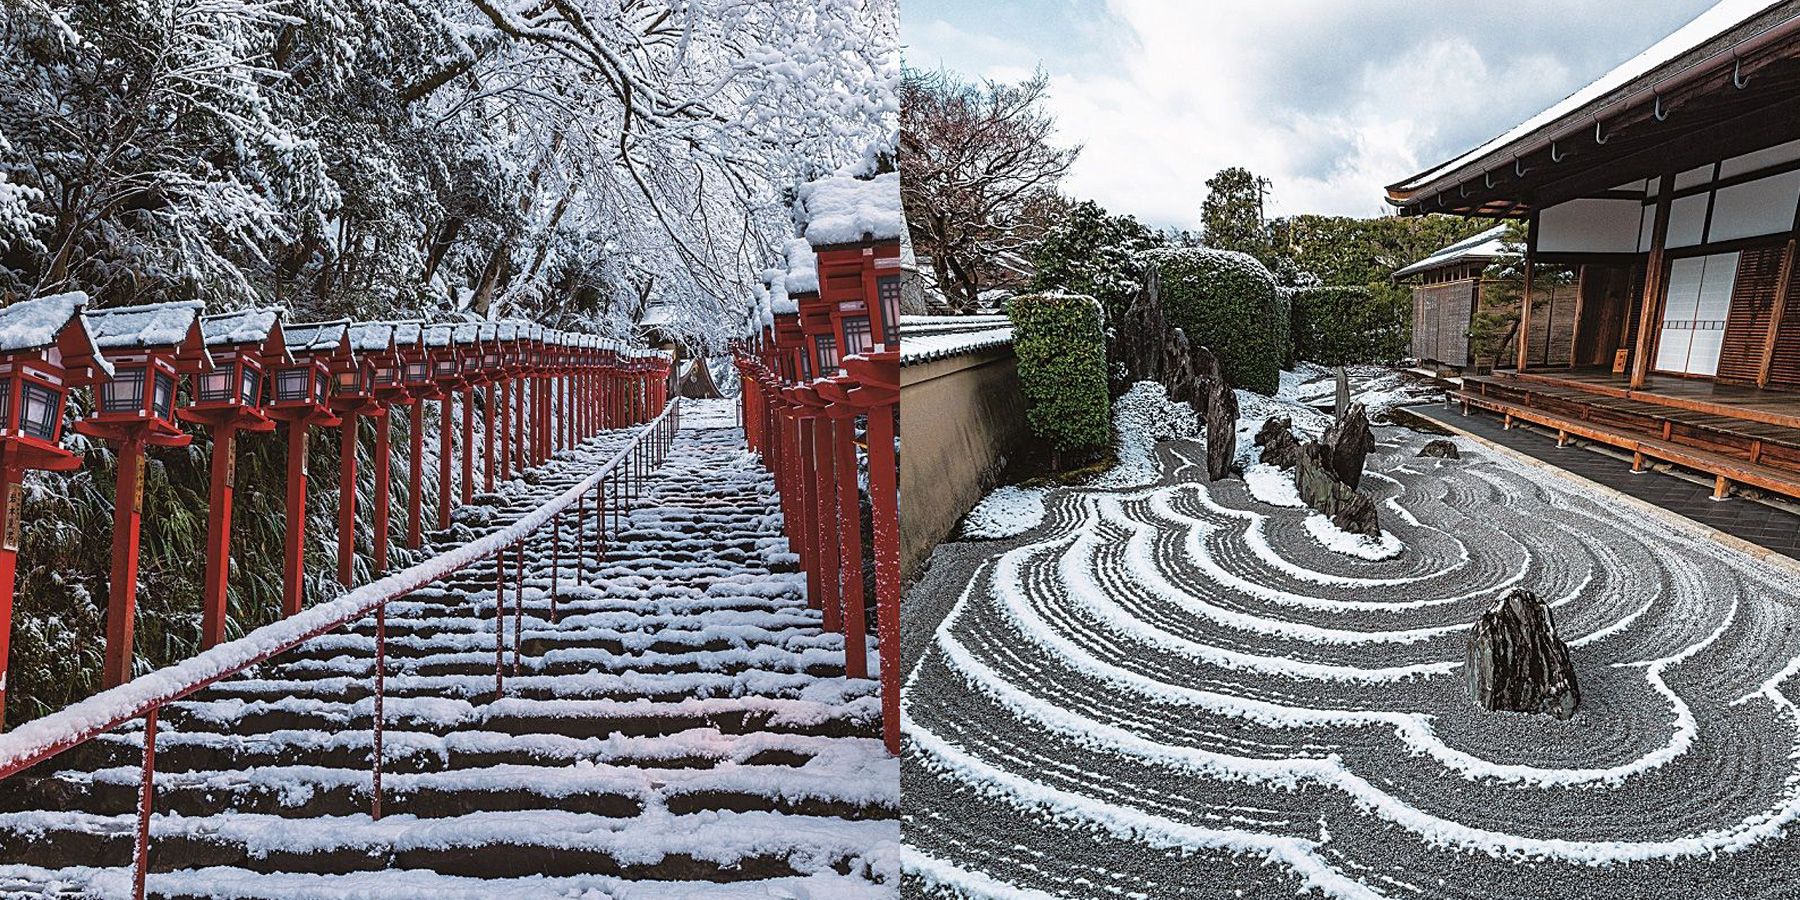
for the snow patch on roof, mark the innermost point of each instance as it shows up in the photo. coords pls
(371, 337)
(409, 332)
(149, 325)
(315, 336)
(1490, 244)
(34, 324)
(244, 326)
(840, 209)
(802, 267)
(927, 338)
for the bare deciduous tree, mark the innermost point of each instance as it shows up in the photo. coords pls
(976, 160)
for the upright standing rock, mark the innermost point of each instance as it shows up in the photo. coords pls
(1320, 489)
(1220, 414)
(1515, 660)
(1276, 438)
(1347, 444)
(1341, 403)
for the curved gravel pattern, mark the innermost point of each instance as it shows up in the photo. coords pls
(1178, 691)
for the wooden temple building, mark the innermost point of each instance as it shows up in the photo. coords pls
(1670, 188)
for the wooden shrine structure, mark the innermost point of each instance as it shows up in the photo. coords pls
(1671, 188)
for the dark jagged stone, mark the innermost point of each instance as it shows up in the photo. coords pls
(1221, 427)
(1347, 443)
(1341, 403)
(1179, 376)
(1279, 447)
(1441, 449)
(1516, 662)
(1140, 338)
(1321, 489)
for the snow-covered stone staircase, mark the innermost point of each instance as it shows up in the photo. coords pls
(683, 719)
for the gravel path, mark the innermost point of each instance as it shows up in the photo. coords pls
(1178, 691)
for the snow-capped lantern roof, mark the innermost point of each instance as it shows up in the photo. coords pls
(53, 322)
(439, 335)
(408, 332)
(151, 326)
(490, 331)
(372, 337)
(467, 333)
(507, 329)
(802, 275)
(843, 209)
(319, 338)
(254, 329)
(1484, 247)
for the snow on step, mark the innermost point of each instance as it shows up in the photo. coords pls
(683, 717)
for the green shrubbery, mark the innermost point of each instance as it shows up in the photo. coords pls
(1227, 302)
(1342, 325)
(1061, 347)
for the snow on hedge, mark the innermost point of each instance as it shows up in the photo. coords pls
(841, 209)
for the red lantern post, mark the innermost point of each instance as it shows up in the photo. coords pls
(300, 395)
(470, 349)
(372, 352)
(45, 350)
(415, 357)
(147, 346)
(446, 376)
(228, 398)
(878, 377)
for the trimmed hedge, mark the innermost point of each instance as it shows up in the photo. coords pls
(1336, 326)
(1061, 346)
(1226, 302)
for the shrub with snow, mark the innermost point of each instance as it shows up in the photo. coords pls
(1061, 348)
(1225, 301)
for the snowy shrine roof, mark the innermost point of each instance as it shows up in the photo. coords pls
(34, 324)
(137, 327)
(1682, 52)
(244, 326)
(1490, 244)
(802, 267)
(840, 209)
(316, 337)
(467, 332)
(372, 337)
(927, 338)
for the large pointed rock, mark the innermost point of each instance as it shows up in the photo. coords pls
(1220, 412)
(1515, 661)
(1347, 443)
(1320, 488)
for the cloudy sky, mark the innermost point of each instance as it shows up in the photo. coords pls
(1332, 99)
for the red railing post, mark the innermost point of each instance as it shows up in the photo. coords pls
(415, 493)
(518, 601)
(808, 489)
(505, 445)
(380, 692)
(146, 799)
(499, 621)
(10, 501)
(555, 559)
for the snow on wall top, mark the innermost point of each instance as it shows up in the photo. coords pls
(149, 325)
(840, 209)
(802, 267)
(927, 338)
(1704, 29)
(1489, 244)
(312, 337)
(34, 324)
(244, 326)
(371, 337)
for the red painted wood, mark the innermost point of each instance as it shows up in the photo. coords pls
(446, 454)
(824, 519)
(487, 421)
(10, 474)
(416, 472)
(379, 719)
(140, 856)
(468, 445)
(884, 495)
(293, 550)
(347, 498)
(505, 416)
(849, 531)
(807, 489)
(121, 594)
(384, 454)
(218, 537)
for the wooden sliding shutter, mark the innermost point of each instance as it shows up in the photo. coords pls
(1752, 303)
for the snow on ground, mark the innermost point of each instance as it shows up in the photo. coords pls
(1362, 546)
(1272, 485)
(719, 413)
(1007, 512)
(1143, 417)
(1177, 687)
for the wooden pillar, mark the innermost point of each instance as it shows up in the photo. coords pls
(1785, 286)
(293, 550)
(11, 499)
(1580, 310)
(468, 445)
(487, 421)
(1655, 282)
(383, 497)
(121, 593)
(347, 498)
(519, 421)
(850, 564)
(884, 496)
(446, 451)
(416, 470)
(218, 536)
(505, 445)
(1530, 263)
(824, 517)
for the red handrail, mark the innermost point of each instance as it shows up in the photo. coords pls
(78, 723)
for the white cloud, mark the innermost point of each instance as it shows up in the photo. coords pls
(1330, 100)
